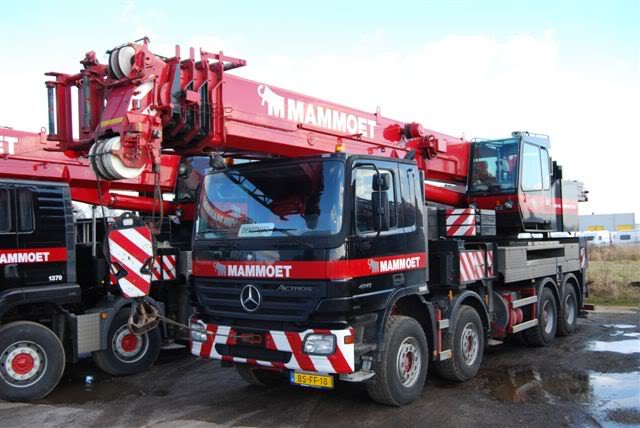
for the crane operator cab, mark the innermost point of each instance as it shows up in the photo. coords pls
(517, 178)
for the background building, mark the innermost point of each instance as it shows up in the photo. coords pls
(610, 222)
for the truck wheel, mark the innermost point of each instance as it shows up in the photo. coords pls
(466, 341)
(260, 377)
(31, 361)
(544, 333)
(569, 313)
(401, 370)
(127, 353)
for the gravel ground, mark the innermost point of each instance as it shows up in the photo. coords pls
(591, 378)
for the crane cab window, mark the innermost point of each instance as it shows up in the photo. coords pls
(364, 203)
(535, 168)
(494, 166)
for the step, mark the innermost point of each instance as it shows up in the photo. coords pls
(525, 325)
(360, 376)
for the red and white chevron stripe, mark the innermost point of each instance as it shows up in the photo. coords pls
(341, 362)
(164, 268)
(490, 263)
(472, 266)
(461, 222)
(129, 249)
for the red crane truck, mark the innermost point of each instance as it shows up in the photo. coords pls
(58, 300)
(341, 244)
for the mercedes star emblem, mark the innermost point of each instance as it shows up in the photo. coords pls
(250, 298)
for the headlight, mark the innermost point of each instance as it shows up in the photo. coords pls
(198, 332)
(508, 204)
(319, 344)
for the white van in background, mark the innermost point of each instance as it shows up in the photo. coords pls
(626, 237)
(598, 238)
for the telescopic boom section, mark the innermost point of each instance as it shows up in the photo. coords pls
(24, 156)
(154, 105)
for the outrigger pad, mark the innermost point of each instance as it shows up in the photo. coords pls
(130, 248)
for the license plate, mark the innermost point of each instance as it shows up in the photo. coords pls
(312, 380)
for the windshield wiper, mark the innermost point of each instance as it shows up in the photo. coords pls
(223, 241)
(292, 236)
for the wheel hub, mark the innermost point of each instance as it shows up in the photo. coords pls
(22, 363)
(127, 347)
(129, 343)
(570, 309)
(470, 344)
(409, 362)
(548, 317)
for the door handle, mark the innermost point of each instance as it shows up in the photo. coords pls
(398, 279)
(11, 271)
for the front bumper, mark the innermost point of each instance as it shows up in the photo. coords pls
(277, 349)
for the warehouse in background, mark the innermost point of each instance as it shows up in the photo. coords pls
(608, 229)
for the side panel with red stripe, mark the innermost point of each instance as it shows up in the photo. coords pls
(340, 362)
(33, 255)
(333, 270)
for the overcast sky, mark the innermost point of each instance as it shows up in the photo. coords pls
(567, 69)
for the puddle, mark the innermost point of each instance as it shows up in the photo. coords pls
(73, 389)
(621, 326)
(620, 346)
(526, 384)
(613, 398)
(628, 343)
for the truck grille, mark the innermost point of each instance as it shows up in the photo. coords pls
(221, 298)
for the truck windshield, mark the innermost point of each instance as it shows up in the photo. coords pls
(302, 199)
(494, 166)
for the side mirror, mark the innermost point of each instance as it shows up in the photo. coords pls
(557, 171)
(381, 215)
(380, 182)
(217, 162)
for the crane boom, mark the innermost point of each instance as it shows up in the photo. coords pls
(188, 106)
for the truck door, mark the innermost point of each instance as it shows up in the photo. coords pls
(368, 247)
(536, 205)
(411, 221)
(8, 239)
(41, 234)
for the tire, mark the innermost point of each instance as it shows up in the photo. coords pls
(32, 361)
(544, 333)
(401, 371)
(465, 338)
(568, 319)
(127, 353)
(260, 377)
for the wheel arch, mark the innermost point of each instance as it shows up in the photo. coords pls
(413, 305)
(470, 298)
(549, 282)
(33, 311)
(111, 307)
